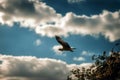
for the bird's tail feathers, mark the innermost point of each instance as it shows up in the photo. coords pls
(72, 49)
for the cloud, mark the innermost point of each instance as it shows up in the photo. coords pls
(82, 56)
(106, 24)
(79, 59)
(85, 65)
(50, 30)
(28, 13)
(87, 53)
(32, 68)
(38, 42)
(56, 50)
(44, 20)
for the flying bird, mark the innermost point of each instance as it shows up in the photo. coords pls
(65, 45)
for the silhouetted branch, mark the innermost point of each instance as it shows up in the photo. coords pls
(104, 68)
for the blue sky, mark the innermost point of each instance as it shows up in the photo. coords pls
(28, 27)
(83, 7)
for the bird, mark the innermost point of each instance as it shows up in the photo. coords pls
(65, 45)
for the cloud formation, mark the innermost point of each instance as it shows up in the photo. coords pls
(82, 56)
(32, 68)
(87, 53)
(28, 13)
(38, 42)
(56, 49)
(107, 24)
(44, 20)
(79, 59)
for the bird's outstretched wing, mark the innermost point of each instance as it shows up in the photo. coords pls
(63, 43)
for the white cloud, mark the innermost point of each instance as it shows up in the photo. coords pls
(107, 24)
(32, 68)
(85, 65)
(87, 53)
(79, 59)
(29, 13)
(44, 20)
(57, 51)
(38, 42)
(50, 30)
(83, 53)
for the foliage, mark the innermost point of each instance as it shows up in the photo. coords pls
(104, 68)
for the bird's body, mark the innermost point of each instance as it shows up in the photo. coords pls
(65, 45)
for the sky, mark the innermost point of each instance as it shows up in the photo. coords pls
(28, 48)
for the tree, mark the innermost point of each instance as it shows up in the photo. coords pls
(104, 68)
